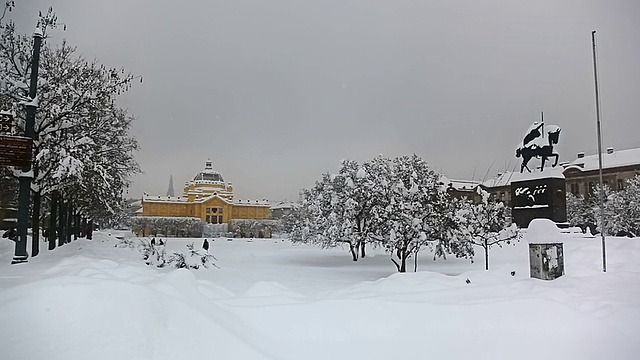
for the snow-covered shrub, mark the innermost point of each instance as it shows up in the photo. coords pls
(193, 259)
(126, 242)
(152, 253)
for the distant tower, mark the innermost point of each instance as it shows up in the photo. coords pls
(170, 191)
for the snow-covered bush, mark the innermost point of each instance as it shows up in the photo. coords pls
(194, 259)
(155, 254)
(126, 242)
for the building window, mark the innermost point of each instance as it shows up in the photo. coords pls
(214, 210)
(592, 188)
(214, 219)
(220, 211)
(208, 210)
(502, 194)
(220, 219)
(208, 218)
(620, 184)
(575, 189)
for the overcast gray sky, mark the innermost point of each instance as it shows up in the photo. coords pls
(278, 92)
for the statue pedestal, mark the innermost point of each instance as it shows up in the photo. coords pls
(538, 195)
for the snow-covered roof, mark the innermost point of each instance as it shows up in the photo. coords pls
(171, 199)
(458, 184)
(208, 173)
(502, 179)
(263, 202)
(288, 205)
(610, 159)
(506, 178)
(135, 203)
(203, 199)
(555, 172)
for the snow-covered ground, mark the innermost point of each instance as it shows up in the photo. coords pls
(274, 300)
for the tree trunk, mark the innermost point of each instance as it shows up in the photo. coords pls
(61, 221)
(395, 263)
(69, 219)
(90, 230)
(486, 255)
(76, 226)
(402, 256)
(415, 262)
(83, 226)
(354, 254)
(362, 252)
(51, 238)
(35, 224)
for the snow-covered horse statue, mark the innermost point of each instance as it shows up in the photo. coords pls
(534, 145)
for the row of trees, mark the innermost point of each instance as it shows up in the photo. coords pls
(621, 209)
(399, 204)
(83, 149)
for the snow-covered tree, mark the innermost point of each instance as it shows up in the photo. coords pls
(631, 194)
(83, 148)
(398, 204)
(579, 211)
(621, 209)
(413, 212)
(611, 209)
(486, 225)
(339, 210)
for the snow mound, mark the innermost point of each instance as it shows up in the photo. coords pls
(543, 231)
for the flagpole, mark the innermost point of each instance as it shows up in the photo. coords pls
(599, 126)
(542, 121)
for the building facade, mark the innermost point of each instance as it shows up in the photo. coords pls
(583, 174)
(207, 197)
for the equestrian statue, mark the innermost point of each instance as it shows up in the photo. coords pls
(538, 143)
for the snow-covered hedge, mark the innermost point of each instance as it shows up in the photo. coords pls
(248, 228)
(167, 226)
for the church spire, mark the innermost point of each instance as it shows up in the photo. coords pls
(170, 191)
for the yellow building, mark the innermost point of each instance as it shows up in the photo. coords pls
(208, 197)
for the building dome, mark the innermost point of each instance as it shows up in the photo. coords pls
(208, 174)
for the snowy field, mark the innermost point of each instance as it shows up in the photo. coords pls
(274, 300)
